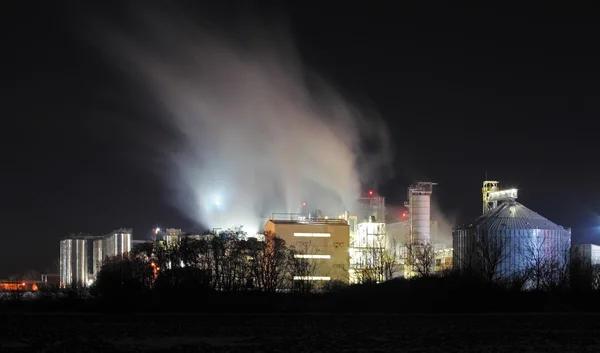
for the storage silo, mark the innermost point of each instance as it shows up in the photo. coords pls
(116, 243)
(419, 213)
(512, 235)
(73, 262)
(97, 255)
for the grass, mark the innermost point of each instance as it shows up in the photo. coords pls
(300, 332)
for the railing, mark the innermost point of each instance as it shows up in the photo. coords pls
(303, 219)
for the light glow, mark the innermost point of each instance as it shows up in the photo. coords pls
(313, 235)
(311, 278)
(300, 256)
(502, 195)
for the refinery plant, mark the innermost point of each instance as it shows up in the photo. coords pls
(352, 247)
(508, 238)
(356, 247)
(360, 246)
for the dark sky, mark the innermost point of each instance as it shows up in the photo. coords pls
(511, 92)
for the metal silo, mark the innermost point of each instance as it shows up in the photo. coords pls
(73, 262)
(97, 255)
(419, 208)
(518, 238)
(116, 243)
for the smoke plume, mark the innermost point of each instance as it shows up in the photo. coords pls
(252, 130)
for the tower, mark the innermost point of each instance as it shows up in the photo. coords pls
(419, 213)
(492, 194)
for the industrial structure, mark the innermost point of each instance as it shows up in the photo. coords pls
(508, 238)
(419, 213)
(588, 252)
(74, 260)
(325, 242)
(113, 244)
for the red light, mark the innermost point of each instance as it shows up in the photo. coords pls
(370, 192)
(403, 214)
(304, 204)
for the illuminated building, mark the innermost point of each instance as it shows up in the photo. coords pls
(74, 261)
(589, 253)
(75, 258)
(325, 242)
(516, 236)
(114, 244)
(171, 236)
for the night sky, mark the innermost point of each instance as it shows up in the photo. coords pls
(511, 92)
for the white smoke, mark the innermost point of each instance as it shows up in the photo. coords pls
(256, 132)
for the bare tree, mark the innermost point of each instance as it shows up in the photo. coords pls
(420, 259)
(484, 256)
(270, 264)
(546, 260)
(492, 253)
(375, 263)
(304, 268)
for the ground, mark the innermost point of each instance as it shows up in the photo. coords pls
(299, 333)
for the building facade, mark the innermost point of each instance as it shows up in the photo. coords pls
(73, 261)
(325, 242)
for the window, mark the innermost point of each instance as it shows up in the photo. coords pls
(314, 235)
(311, 278)
(299, 256)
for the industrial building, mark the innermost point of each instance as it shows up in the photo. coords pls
(325, 242)
(75, 259)
(116, 243)
(508, 236)
(588, 252)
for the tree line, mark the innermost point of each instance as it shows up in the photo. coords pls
(224, 262)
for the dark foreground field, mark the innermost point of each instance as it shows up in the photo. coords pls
(300, 333)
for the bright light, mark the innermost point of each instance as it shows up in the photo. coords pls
(370, 192)
(156, 230)
(300, 256)
(315, 235)
(217, 201)
(303, 204)
(311, 278)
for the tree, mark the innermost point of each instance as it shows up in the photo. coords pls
(492, 253)
(303, 267)
(270, 267)
(546, 260)
(420, 259)
(375, 263)
(128, 276)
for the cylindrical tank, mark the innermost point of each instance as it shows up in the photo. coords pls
(97, 256)
(116, 243)
(420, 214)
(73, 262)
(516, 236)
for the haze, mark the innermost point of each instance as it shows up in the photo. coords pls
(256, 131)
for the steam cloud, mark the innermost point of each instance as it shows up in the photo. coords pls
(256, 131)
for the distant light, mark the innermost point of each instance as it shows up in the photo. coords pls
(370, 192)
(404, 214)
(217, 201)
(303, 204)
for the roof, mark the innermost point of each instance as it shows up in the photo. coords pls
(329, 222)
(513, 215)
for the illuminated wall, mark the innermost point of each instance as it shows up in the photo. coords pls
(326, 243)
(73, 262)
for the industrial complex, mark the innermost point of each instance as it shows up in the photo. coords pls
(359, 246)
